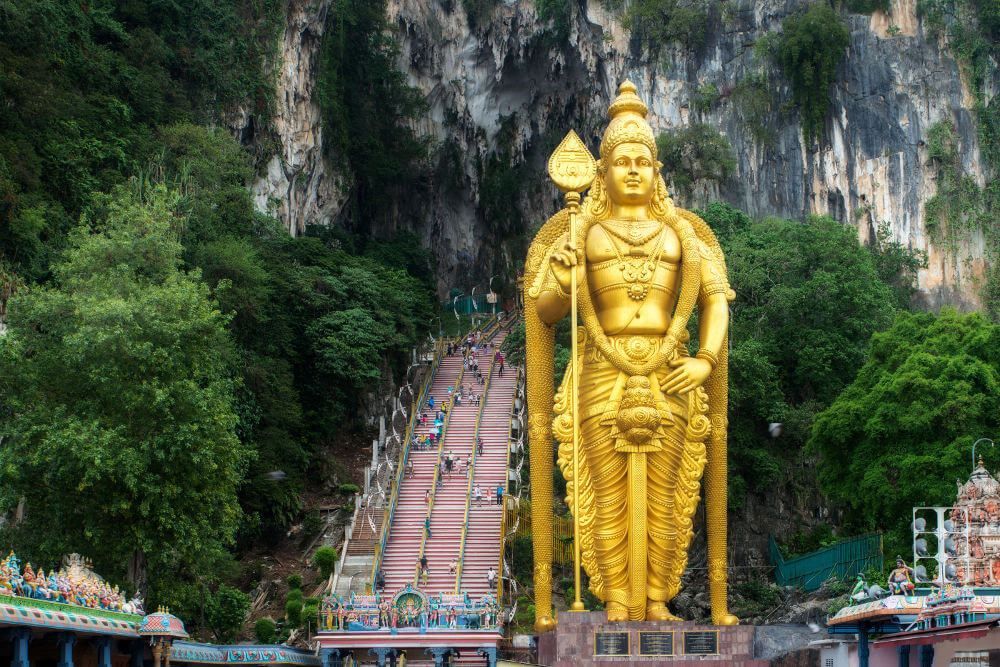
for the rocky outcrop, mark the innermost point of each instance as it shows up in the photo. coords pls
(510, 84)
(298, 185)
(870, 167)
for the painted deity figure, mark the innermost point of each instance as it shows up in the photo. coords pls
(646, 405)
(899, 579)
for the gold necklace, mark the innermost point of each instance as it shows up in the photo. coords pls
(634, 236)
(638, 271)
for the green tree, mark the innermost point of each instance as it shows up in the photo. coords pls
(263, 629)
(808, 299)
(809, 50)
(226, 611)
(120, 425)
(85, 84)
(901, 432)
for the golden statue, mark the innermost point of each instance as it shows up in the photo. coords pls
(646, 415)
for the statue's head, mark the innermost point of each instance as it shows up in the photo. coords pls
(628, 171)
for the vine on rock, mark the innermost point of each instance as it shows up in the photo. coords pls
(809, 50)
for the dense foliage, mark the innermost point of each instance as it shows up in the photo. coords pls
(291, 334)
(314, 323)
(810, 47)
(659, 23)
(85, 85)
(808, 298)
(901, 432)
(119, 412)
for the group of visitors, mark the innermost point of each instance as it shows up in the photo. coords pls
(423, 570)
(477, 492)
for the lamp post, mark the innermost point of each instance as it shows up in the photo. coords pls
(974, 449)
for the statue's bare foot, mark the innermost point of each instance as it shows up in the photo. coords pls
(657, 611)
(617, 612)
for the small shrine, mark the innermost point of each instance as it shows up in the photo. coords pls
(952, 608)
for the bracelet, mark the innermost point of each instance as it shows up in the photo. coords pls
(707, 355)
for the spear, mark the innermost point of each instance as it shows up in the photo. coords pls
(572, 168)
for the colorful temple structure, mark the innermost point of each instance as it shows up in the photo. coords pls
(73, 618)
(976, 520)
(439, 630)
(954, 621)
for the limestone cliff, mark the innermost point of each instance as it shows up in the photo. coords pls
(298, 184)
(509, 84)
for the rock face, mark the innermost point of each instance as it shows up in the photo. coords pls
(511, 85)
(298, 186)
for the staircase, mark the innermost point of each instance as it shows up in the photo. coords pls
(403, 548)
(483, 539)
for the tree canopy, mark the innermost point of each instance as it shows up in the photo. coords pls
(808, 299)
(119, 419)
(900, 434)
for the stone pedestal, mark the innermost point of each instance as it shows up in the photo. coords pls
(586, 638)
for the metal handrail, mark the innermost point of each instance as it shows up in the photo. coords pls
(404, 450)
(506, 478)
(437, 475)
(472, 474)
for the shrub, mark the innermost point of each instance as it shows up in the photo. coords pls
(263, 629)
(659, 22)
(869, 6)
(348, 489)
(325, 558)
(226, 610)
(294, 581)
(313, 523)
(309, 613)
(706, 97)
(293, 612)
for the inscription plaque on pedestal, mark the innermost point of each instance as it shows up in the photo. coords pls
(701, 642)
(656, 643)
(611, 643)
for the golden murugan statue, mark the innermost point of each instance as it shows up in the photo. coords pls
(649, 416)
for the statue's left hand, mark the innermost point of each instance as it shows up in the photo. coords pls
(688, 374)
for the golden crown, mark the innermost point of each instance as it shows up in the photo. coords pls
(628, 122)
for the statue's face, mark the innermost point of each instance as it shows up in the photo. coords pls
(630, 175)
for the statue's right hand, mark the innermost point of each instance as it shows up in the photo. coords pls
(562, 263)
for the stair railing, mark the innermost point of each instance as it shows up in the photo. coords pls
(404, 452)
(472, 476)
(506, 481)
(437, 474)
